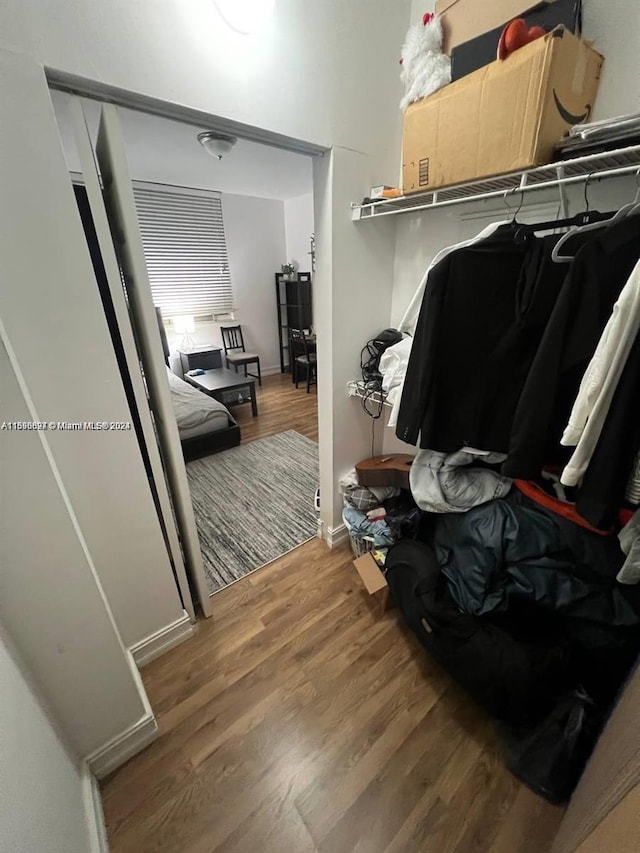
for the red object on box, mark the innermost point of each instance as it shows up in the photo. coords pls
(515, 35)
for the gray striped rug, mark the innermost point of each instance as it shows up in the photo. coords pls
(253, 504)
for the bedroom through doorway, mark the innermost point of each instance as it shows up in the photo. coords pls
(229, 252)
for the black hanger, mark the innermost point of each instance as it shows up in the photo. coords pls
(587, 217)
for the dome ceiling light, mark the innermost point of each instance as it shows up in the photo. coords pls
(217, 144)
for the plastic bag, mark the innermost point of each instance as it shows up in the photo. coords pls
(550, 758)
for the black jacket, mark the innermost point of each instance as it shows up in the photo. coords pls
(512, 552)
(598, 273)
(483, 315)
(603, 487)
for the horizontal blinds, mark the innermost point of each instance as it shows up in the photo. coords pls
(185, 251)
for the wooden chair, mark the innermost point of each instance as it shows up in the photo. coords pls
(303, 357)
(235, 353)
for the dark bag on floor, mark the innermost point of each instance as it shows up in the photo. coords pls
(510, 679)
(550, 759)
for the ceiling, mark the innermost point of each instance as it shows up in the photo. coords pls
(167, 152)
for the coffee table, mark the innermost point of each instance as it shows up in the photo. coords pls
(218, 381)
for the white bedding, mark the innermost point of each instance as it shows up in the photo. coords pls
(196, 413)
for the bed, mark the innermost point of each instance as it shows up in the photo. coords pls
(204, 425)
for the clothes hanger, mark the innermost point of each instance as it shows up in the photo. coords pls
(586, 218)
(634, 207)
(589, 220)
(507, 193)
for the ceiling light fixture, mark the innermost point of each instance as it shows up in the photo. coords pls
(246, 16)
(217, 144)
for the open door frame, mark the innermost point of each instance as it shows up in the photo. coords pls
(125, 230)
(112, 272)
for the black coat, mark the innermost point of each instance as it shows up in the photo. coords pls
(484, 312)
(598, 273)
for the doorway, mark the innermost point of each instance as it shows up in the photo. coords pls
(251, 480)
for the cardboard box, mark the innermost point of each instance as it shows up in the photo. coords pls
(463, 20)
(506, 116)
(481, 50)
(374, 582)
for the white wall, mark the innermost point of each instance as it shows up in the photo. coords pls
(352, 302)
(41, 788)
(324, 72)
(50, 600)
(255, 235)
(298, 220)
(615, 31)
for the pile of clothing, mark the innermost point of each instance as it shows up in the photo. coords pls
(382, 514)
(521, 606)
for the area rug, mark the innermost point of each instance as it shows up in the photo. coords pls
(253, 504)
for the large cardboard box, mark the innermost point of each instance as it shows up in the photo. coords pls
(465, 19)
(506, 116)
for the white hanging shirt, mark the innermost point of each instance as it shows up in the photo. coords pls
(600, 381)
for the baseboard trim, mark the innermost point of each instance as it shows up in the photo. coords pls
(93, 810)
(166, 638)
(123, 746)
(270, 371)
(336, 536)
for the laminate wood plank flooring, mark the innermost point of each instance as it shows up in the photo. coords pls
(295, 721)
(281, 406)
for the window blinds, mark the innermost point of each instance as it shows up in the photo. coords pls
(185, 250)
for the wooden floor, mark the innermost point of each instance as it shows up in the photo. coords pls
(294, 721)
(280, 407)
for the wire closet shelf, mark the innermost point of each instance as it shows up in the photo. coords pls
(359, 388)
(608, 164)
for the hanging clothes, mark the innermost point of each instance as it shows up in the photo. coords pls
(605, 480)
(484, 312)
(596, 277)
(600, 381)
(410, 319)
(393, 367)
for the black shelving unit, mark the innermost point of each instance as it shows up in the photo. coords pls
(294, 301)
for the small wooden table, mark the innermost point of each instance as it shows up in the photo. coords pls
(217, 382)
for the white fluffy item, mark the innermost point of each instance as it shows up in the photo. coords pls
(425, 68)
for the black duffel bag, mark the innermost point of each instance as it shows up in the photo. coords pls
(511, 679)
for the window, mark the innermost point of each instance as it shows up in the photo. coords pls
(185, 249)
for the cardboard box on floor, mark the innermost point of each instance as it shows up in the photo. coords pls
(506, 116)
(374, 582)
(463, 20)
